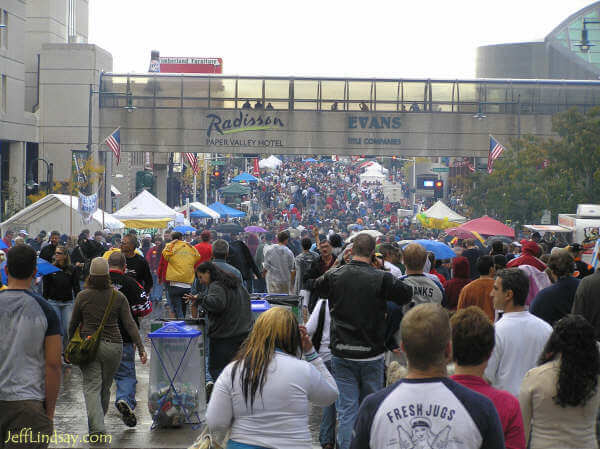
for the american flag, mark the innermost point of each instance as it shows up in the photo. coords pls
(495, 151)
(114, 143)
(191, 158)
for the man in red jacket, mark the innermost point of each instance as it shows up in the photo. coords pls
(529, 256)
(204, 247)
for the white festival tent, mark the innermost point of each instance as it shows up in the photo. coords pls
(440, 211)
(372, 175)
(376, 166)
(58, 212)
(196, 205)
(271, 162)
(147, 211)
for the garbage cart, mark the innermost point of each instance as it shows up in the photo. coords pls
(176, 393)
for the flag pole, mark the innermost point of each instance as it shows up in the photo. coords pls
(205, 179)
(194, 189)
(71, 199)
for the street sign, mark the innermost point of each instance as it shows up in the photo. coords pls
(217, 163)
(440, 169)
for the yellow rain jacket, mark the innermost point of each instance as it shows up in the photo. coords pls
(181, 258)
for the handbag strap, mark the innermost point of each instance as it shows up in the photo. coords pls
(107, 311)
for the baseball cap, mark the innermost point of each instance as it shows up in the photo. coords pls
(24, 232)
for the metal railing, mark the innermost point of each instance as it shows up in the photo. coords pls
(488, 96)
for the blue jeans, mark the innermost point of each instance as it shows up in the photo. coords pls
(125, 376)
(156, 297)
(157, 289)
(175, 296)
(355, 381)
(64, 310)
(327, 428)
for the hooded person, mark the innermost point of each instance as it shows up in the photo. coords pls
(461, 270)
(529, 256)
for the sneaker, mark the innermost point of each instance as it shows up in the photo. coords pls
(127, 414)
(209, 389)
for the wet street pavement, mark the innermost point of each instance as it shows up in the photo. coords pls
(71, 417)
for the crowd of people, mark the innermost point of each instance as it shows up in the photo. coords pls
(494, 347)
(331, 195)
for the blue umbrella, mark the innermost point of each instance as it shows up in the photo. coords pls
(440, 250)
(183, 229)
(310, 159)
(43, 268)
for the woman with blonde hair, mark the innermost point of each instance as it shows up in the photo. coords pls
(264, 394)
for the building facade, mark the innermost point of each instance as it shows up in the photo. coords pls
(571, 51)
(58, 95)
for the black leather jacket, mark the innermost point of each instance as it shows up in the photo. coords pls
(357, 294)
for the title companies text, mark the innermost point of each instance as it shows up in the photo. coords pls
(373, 123)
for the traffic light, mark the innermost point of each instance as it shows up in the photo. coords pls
(438, 189)
(218, 179)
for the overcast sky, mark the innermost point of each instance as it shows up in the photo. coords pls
(368, 38)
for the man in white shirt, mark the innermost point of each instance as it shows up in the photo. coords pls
(391, 254)
(279, 266)
(520, 336)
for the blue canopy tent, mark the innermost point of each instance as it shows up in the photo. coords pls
(245, 177)
(226, 211)
(310, 159)
(199, 214)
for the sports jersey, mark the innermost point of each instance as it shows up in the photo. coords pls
(425, 290)
(425, 414)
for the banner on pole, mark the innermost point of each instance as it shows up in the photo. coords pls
(78, 166)
(88, 205)
(595, 255)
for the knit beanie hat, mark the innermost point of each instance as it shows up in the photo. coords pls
(99, 267)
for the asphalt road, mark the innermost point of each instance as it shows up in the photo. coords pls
(71, 418)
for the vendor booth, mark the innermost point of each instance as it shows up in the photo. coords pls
(440, 216)
(146, 211)
(56, 211)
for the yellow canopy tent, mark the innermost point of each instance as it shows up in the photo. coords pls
(146, 211)
(440, 216)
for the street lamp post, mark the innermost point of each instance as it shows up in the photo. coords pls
(49, 173)
(129, 107)
(585, 45)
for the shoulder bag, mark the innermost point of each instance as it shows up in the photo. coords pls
(81, 351)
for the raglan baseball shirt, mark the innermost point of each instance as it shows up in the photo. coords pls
(427, 413)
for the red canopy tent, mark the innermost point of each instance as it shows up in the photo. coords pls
(487, 226)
